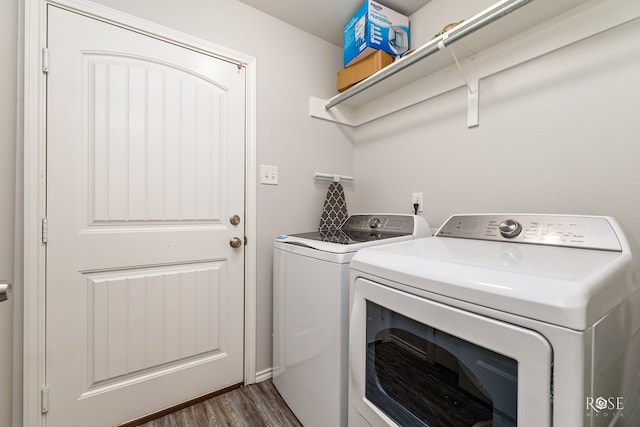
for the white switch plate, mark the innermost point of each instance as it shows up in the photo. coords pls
(268, 175)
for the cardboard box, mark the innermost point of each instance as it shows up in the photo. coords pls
(363, 69)
(375, 27)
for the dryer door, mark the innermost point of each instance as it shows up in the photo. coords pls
(418, 362)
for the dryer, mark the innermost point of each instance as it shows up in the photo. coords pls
(497, 320)
(311, 310)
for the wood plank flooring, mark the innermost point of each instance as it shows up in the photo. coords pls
(255, 405)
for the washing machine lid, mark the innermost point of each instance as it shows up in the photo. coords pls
(360, 231)
(571, 285)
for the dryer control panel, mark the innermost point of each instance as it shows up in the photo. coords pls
(586, 232)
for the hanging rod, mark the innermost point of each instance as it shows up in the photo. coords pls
(335, 177)
(469, 26)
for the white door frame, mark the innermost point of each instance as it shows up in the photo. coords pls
(35, 31)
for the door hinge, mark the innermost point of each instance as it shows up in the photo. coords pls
(45, 230)
(44, 400)
(45, 60)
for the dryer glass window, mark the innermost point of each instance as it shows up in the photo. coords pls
(421, 376)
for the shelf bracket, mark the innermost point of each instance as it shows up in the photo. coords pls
(473, 97)
(473, 112)
(341, 114)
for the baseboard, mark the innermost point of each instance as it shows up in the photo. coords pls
(264, 375)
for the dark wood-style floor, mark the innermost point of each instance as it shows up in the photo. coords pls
(255, 405)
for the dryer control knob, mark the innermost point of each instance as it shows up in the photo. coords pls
(510, 228)
(374, 222)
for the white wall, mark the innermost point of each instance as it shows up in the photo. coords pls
(558, 134)
(291, 65)
(432, 18)
(8, 92)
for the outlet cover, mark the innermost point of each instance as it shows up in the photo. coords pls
(417, 198)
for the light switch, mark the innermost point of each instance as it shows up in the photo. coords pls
(268, 175)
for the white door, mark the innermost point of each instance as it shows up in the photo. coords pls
(145, 168)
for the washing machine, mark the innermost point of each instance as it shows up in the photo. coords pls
(311, 308)
(497, 320)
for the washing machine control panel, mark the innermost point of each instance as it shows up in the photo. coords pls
(586, 232)
(382, 223)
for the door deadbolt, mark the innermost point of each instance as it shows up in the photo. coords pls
(5, 287)
(234, 220)
(235, 242)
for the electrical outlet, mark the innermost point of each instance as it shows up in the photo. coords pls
(417, 198)
(268, 175)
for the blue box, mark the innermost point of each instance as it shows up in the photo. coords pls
(375, 27)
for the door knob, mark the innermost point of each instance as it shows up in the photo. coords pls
(4, 290)
(234, 220)
(235, 242)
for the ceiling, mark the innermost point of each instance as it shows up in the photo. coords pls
(325, 18)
